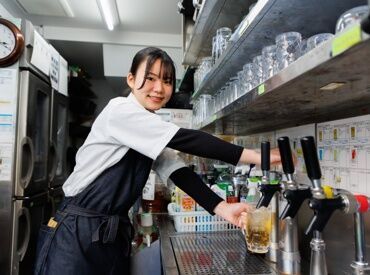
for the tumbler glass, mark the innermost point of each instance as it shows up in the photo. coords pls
(233, 88)
(242, 90)
(249, 77)
(257, 229)
(287, 49)
(223, 36)
(350, 17)
(268, 62)
(214, 49)
(317, 39)
(258, 69)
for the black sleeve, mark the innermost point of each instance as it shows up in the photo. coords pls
(201, 144)
(191, 184)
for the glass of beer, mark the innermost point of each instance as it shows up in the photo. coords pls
(257, 228)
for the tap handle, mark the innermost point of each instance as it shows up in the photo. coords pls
(265, 156)
(295, 198)
(310, 158)
(286, 155)
(268, 191)
(323, 209)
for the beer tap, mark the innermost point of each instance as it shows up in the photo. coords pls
(289, 260)
(360, 265)
(270, 192)
(323, 203)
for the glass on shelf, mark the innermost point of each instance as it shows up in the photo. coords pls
(242, 90)
(249, 77)
(350, 17)
(258, 68)
(317, 39)
(214, 49)
(233, 88)
(288, 48)
(268, 62)
(223, 35)
(204, 106)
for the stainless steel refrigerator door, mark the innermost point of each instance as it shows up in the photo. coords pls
(33, 135)
(58, 137)
(6, 225)
(29, 213)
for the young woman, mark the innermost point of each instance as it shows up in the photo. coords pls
(91, 233)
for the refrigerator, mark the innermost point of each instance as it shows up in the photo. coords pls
(28, 158)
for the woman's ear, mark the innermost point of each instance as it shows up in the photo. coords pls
(130, 79)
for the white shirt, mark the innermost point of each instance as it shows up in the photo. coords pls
(122, 125)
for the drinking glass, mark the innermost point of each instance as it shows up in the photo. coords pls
(287, 51)
(257, 229)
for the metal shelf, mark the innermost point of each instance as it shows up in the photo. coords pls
(293, 96)
(274, 17)
(213, 15)
(187, 80)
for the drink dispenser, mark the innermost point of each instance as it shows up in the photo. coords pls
(270, 192)
(324, 202)
(289, 260)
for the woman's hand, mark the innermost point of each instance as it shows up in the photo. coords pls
(232, 212)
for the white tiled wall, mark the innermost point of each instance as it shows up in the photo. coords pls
(344, 152)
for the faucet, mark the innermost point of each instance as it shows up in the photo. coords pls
(289, 260)
(270, 193)
(360, 266)
(325, 200)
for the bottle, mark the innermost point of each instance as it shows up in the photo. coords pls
(253, 192)
(230, 194)
(243, 193)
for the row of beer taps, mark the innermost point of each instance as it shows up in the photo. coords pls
(323, 200)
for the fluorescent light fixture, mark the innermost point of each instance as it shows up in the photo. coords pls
(67, 8)
(108, 10)
(332, 86)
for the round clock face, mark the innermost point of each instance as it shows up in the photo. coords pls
(7, 41)
(11, 43)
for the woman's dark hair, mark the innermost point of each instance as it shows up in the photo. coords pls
(152, 54)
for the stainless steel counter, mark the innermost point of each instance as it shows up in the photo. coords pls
(207, 252)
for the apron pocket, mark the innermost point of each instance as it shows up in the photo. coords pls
(45, 237)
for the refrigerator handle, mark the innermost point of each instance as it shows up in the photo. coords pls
(23, 247)
(52, 161)
(27, 161)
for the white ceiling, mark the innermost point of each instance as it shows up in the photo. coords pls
(156, 16)
(157, 20)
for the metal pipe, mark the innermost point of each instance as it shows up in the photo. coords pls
(274, 237)
(360, 247)
(318, 261)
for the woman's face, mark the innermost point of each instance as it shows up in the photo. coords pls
(156, 91)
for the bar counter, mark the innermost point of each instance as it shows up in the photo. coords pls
(206, 252)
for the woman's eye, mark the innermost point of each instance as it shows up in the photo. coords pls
(167, 82)
(150, 78)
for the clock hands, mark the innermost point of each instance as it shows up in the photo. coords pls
(5, 45)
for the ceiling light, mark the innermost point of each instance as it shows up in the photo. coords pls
(67, 8)
(332, 86)
(108, 10)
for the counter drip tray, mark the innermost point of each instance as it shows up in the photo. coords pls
(216, 253)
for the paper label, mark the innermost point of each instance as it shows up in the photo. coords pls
(149, 188)
(261, 89)
(54, 68)
(41, 53)
(347, 39)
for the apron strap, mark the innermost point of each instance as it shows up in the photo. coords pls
(109, 226)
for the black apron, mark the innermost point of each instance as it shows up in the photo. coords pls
(91, 232)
